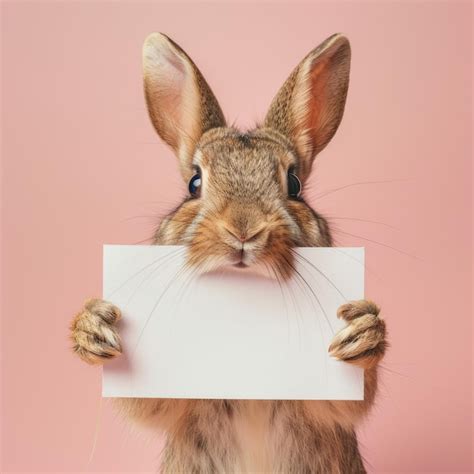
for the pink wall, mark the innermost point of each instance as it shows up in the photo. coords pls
(82, 167)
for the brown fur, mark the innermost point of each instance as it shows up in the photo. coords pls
(244, 214)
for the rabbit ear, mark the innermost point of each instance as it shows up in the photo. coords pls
(309, 106)
(180, 103)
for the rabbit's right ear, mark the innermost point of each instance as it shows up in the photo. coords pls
(180, 103)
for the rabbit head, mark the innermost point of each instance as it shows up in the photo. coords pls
(245, 205)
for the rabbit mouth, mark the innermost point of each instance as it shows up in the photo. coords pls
(241, 245)
(241, 258)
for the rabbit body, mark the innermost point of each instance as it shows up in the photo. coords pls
(249, 436)
(245, 209)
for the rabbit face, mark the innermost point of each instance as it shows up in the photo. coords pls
(244, 217)
(245, 206)
(242, 213)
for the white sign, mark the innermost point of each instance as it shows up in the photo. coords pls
(231, 334)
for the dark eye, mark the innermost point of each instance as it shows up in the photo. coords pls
(195, 185)
(294, 185)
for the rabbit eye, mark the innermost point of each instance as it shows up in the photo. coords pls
(195, 185)
(294, 185)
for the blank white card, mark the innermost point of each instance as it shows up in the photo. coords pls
(231, 334)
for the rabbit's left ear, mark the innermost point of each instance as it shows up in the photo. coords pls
(309, 106)
(180, 103)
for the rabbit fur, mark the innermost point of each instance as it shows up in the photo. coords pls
(241, 214)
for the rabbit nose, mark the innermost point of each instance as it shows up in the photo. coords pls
(243, 236)
(240, 236)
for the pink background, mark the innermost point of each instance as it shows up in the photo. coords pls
(82, 167)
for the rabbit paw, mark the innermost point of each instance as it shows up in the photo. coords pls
(93, 332)
(362, 342)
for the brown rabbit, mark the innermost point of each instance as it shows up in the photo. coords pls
(244, 208)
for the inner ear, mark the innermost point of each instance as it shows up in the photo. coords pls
(165, 85)
(324, 88)
(180, 103)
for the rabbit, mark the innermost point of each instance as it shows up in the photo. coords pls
(245, 208)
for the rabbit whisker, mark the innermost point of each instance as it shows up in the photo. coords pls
(361, 220)
(303, 260)
(162, 263)
(312, 292)
(176, 275)
(139, 272)
(378, 243)
(271, 269)
(360, 183)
